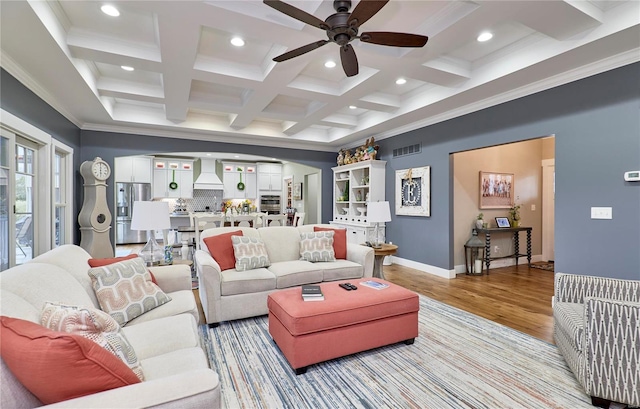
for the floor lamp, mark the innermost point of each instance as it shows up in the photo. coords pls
(151, 216)
(378, 212)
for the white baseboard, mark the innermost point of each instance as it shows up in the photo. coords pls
(436, 271)
(504, 262)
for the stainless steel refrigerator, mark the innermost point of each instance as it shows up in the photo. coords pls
(126, 194)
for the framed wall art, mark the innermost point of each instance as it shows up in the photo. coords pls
(297, 191)
(413, 192)
(496, 190)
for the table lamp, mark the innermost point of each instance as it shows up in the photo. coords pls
(378, 212)
(151, 216)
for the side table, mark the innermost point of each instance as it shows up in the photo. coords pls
(380, 254)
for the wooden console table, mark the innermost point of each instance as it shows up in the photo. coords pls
(516, 243)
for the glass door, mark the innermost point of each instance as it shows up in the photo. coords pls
(25, 192)
(5, 214)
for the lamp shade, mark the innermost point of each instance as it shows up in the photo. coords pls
(150, 216)
(378, 212)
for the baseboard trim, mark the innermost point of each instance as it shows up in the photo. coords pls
(505, 262)
(429, 269)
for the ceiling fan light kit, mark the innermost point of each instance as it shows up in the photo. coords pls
(342, 28)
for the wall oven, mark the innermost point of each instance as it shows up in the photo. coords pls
(270, 204)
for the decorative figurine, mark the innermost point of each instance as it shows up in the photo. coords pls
(341, 157)
(348, 159)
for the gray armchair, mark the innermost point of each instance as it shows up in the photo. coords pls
(597, 330)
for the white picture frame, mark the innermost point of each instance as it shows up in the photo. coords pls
(413, 192)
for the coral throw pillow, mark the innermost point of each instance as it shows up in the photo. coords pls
(95, 325)
(250, 253)
(339, 241)
(315, 247)
(99, 262)
(56, 366)
(221, 249)
(125, 291)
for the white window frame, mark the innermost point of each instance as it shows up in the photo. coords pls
(66, 187)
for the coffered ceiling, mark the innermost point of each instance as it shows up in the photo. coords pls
(190, 82)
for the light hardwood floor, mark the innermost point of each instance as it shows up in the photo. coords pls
(518, 297)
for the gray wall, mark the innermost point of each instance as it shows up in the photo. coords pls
(597, 127)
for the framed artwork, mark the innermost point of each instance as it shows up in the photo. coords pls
(496, 190)
(502, 222)
(297, 191)
(413, 192)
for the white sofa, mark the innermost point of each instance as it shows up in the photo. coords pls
(164, 339)
(231, 294)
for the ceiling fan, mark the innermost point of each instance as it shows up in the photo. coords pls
(342, 28)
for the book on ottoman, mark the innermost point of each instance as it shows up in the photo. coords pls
(312, 293)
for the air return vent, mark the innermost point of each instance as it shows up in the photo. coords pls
(407, 150)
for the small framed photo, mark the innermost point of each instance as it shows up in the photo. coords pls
(297, 191)
(502, 222)
(496, 190)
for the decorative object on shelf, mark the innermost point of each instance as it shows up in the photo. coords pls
(362, 210)
(94, 217)
(514, 214)
(348, 159)
(480, 221)
(359, 195)
(297, 191)
(378, 213)
(365, 181)
(474, 254)
(151, 216)
(413, 192)
(496, 190)
(503, 222)
(340, 160)
(371, 149)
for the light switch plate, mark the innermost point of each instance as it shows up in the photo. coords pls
(533, 208)
(601, 213)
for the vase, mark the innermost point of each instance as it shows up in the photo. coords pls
(479, 223)
(515, 223)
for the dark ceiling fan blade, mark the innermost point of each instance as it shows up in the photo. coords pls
(299, 51)
(349, 60)
(296, 13)
(365, 10)
(394, 39)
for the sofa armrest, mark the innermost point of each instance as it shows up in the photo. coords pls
(194, 389)
(575, 288)
(209, 285)
(612, 348)
(172, 278)
(362, 255)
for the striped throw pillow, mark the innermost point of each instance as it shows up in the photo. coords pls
(250, 253)
(318, 246)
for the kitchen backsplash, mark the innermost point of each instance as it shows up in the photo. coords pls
(203, 198)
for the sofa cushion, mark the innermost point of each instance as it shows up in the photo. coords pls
(99, 262)
(95, 325)
(340, 270)
(125, 290)
(247, 282)
(283, 242)
(161, 336)
(57, 366)
(339, 241)
(317, 246)
(250, 253)
(571, 321)
(221, 249)
(182, 302)
(294, 273)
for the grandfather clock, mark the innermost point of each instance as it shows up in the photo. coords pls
(94, 217)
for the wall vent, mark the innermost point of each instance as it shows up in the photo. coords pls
(407, 150)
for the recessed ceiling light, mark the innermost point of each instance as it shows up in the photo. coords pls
(127, 68)
(237, 41)
(485, 36)
(208, 154)
(110, 10)
(330, 64)
(236, 156)
(401, 81)
(352, 107)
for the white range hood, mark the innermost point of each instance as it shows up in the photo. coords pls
(207, 179)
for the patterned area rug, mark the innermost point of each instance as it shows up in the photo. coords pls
(459, 360)
(544, 266)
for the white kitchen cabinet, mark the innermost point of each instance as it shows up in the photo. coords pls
(163, 175)
(232, 173)
(133, 169)
(270, 178)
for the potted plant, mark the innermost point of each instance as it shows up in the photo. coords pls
(514, 215)
(480, 221)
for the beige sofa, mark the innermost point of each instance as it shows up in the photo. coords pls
(164, 339)
(230, 294)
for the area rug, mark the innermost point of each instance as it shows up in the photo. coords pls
(544, 266)
(459, 360)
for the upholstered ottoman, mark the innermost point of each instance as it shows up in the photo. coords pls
(346, 322)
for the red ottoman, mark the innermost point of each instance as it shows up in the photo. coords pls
(346, 322)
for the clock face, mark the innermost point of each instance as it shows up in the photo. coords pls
(411, 192)
(100, 170)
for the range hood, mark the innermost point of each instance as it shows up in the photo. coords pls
(206, 177)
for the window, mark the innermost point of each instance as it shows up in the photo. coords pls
(61, 183)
